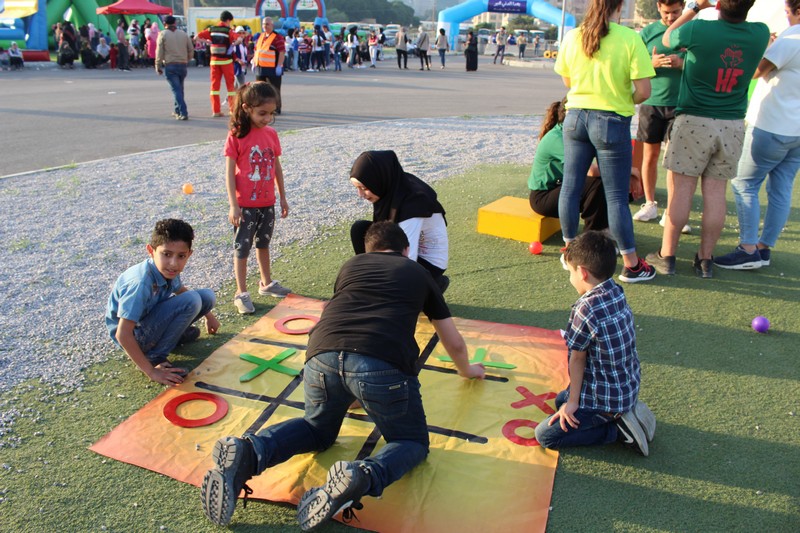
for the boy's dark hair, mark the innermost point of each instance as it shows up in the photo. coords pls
(595, 252)
(225, 16)
(670, 2)
(793, 5)
(385, 235)
(735, 10)
(171, 230)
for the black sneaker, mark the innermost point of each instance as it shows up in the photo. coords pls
(663, 265)
(191, 334)
(631, 433)
(642, 272)
(704, 267)
(235, 463)
(346, 483)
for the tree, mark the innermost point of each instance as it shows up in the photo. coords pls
(522, 22)
(382, 11)
(487, 25)
(647, 9)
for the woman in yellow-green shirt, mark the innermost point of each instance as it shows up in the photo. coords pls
(599, 61)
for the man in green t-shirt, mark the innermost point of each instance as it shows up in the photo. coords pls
(657, 112)
(706, 137)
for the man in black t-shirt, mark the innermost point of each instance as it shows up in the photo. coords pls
(363, 348)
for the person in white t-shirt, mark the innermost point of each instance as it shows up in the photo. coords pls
(405, 199)
(771, 148)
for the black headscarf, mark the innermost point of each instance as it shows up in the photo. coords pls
(402, 195)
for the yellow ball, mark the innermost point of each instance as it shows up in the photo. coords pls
(187, 188)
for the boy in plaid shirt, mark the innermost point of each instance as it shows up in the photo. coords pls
(600, 405)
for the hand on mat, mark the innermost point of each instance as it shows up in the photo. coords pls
(566, 415)
(475, 371)
(212, 324)
(166, 374)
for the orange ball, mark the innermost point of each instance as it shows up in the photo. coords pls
(535, 247)
(187, 188)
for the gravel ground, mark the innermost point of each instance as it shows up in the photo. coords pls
(70, 232)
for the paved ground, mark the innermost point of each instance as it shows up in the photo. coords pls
(54, 117)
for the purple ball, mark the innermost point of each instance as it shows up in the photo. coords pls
(760, 324)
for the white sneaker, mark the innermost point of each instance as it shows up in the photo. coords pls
(687, 229)
(273, 289)
(649, 211)
(244, 304)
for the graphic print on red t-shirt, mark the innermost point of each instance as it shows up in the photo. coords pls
(261, 163)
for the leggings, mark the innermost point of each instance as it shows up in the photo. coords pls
(424, 59)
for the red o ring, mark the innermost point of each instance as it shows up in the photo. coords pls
(171, 409)
(280, 325)
(510, 432)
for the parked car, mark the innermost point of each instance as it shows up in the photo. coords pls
(391, 38)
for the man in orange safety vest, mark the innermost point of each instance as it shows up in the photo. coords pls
(268, 55)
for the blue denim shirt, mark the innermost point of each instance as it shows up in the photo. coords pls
(136, 292)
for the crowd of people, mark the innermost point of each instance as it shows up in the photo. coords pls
(690, 78)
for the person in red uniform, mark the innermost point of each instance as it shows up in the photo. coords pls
(268, 57)
(221, 61)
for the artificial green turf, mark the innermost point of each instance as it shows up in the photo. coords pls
(726, 398)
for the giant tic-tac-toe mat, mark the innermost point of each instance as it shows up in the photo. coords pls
(485, 471)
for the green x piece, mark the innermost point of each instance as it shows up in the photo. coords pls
(480, 355)
(262, 365)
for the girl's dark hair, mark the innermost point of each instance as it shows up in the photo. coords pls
(554, 115)
(596, 25)
(253, 95)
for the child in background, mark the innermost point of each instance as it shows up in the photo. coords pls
(238, 51)
(150, 311)
(601, 404)
(252, 169)
(338, 46)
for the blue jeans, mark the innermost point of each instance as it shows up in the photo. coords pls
(594, 428)
(160, 330)
(331, 381)
(337, 61)
(765, 153)
(442, 53)
(175, 75)
(606, 136)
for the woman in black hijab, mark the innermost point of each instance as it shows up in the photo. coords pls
(405, 199)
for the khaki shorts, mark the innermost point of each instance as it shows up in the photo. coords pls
(704, 147)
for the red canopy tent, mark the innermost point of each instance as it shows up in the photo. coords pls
(134, 7)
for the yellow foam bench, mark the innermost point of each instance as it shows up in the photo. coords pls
(512, 218)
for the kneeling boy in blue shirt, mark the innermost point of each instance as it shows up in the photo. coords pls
(150, 311)
(601, 403)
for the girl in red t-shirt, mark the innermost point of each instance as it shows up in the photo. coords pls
(252, 169)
